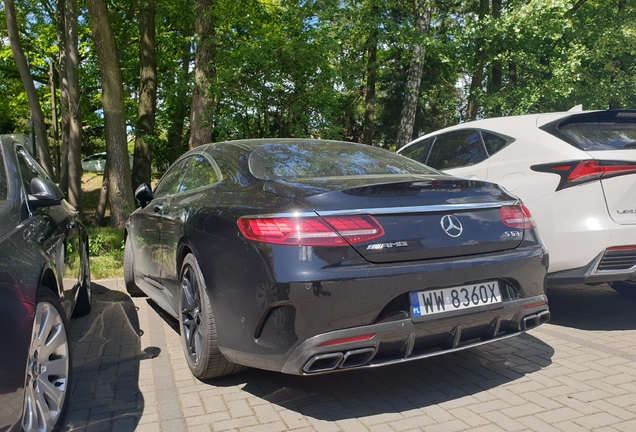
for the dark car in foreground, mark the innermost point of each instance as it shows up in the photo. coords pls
(44, 278)
(309, 256)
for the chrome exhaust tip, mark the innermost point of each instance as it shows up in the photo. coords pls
(357, 357)
(323, 362)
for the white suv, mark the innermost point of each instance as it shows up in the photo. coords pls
(575, 171)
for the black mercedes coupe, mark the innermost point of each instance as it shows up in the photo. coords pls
(307, 256)
(44, 278)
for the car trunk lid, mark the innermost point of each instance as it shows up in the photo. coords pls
(620, 190)
(610, 138)
(423, 218)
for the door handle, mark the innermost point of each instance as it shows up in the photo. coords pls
(158, 208)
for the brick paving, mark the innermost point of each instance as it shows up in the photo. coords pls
(576, 373)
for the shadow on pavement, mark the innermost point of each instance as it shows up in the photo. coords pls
(106, 345)
(596, 307)
(392, 389)
(398, 388)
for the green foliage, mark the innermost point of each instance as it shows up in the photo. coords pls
(106, 250)
(103, 241)
(296, 69)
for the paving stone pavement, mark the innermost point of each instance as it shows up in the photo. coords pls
(576, 373)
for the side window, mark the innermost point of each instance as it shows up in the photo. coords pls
(170, 182)
(418, 151)
(29, 169)
(456, 149)
(201, 173)
(493, 142)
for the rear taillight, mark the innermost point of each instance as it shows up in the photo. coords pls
(517, 216)
(312, 231)
(576, 172)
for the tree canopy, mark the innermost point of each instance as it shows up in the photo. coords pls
(284, 68)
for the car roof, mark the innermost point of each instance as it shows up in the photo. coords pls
(509, 125)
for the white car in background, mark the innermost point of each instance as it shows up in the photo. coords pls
(97, 162)
(576, 173)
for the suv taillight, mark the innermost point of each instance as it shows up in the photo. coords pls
(576, 172)
(517, 216)
(311, 231)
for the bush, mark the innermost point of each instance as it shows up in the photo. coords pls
(106, 250)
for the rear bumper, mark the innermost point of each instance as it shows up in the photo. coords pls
(608, 266)
(401, 341)
(283, 332)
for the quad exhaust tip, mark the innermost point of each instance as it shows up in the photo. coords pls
(535, 320)
(339, 360)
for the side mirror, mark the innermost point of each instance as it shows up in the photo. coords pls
(144, 194)
(44, 193)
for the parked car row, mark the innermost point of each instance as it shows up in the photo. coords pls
(310, 256)
(97, 162)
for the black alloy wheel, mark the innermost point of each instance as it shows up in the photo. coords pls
(197, 326)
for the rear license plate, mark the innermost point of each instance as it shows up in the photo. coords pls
(431, 302)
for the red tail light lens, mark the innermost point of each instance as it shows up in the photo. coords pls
(577, 172)
(517, 216)
(312, 231)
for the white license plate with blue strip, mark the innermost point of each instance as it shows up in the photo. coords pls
(431, 302)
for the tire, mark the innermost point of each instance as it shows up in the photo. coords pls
(83, 304)
(129, 275)
(49, 367)
(625, 288)
(198, 328)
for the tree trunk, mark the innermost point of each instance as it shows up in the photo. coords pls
(147, 94)
(414, 80)
(64, 110)
(54, 120)
(204, 72)
(32, 94)
(369, 108)
(100, 212)
(120, 192)
(75, 111)
(497, 72)
(175, 133)
(478, 74)
(512, 73)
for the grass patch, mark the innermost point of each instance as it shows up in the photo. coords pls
(105, 244)
(106, 250)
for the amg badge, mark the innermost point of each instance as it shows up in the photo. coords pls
(387, 245)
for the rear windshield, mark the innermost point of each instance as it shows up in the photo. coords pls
(319, 159)
(615, 133)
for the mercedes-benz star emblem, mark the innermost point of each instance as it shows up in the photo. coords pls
(452, 226)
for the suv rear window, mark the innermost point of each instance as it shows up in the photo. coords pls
(605, 130)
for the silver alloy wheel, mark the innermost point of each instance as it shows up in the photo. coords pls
(47, 377)
(191, 315)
